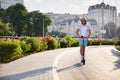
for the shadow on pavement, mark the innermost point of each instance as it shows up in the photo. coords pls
(69, 67)
(117, 63)
(26, 74)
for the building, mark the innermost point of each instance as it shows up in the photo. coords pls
(103, 14)
(63, 22)
(6, 3)
(98, 16)
(56, 18)
(68, 23)
(118, 20)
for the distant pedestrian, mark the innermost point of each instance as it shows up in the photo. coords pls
(83, 32)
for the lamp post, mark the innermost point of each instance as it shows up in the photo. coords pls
(44, 26)
(0, 4)
(31, 22)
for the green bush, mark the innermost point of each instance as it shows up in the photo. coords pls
(108, 42)
(63, 43)
(25, 47)
(9, 50)
(102, 42)
(93, 42)
(69, 40)
(52, 43)
(117, 47)
(35, 44)
(75, 42)
(44, 45)
(117, 42)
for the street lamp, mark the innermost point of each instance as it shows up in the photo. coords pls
(31, 22)
(44, 27)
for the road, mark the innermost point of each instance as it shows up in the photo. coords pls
(37, 66)
(101, 64)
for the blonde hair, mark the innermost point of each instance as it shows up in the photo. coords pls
(84, 19)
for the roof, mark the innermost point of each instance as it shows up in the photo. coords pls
(102, 5)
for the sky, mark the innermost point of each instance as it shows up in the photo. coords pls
(66, 6)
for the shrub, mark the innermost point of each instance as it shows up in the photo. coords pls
(35, 44)
(102, 42)
(69, 40)
(44, 45)
(108, 42)
(63, 43)
(52, 43)
(75, 42)
(25, 47)
(93, 42)
(117, 42)
(9, 50)
(117, 47)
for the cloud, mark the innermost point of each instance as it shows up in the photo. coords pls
(40, 1)
(91, 2)
(75, 6)
(27, 0)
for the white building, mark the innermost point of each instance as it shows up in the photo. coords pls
(68, 23)
(6, 3)
(56, 18)
(118, 20)
(103, 14)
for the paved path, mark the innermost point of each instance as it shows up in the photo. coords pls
(101, 64)
(34, 67)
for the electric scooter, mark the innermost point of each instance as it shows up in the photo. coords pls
(83, 61)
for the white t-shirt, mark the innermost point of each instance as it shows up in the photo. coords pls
(83, 30)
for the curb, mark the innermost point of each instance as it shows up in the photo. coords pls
(54, 69)
(116, 51)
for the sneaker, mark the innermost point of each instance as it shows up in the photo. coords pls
(83, 61)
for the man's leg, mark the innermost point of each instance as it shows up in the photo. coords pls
(84, 45)
(82, 50)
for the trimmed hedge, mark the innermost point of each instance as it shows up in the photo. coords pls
(25, 47)
(117, 47)
(117, 43)
(103, 42)
(9, 50)
(52, 43)
(63, 43)
(13, 49)
(68, 41)
(93, 42)
(109, 42)
(34, 44)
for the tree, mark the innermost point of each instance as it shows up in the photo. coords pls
(2, 14)
(110, 30)
(5, 29)
(24, 23)
(16, 17)
(34, 22)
